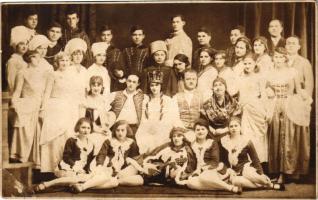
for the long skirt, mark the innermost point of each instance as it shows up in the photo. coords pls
(26, 133)
(59, 119)
(152, 134)
(254, 126)
(52, 153)
(289, 145)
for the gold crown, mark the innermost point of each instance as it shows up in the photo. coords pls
(155, 76)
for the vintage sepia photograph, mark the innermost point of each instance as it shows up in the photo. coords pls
(159, 99)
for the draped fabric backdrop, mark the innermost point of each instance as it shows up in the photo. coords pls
(298, 18)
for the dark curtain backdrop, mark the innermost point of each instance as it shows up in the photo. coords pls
(298, 18)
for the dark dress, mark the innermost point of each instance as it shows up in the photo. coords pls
(241, 155)
(72, 153)
(117, 153)
(208, 155)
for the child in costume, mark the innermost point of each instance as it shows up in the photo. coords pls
(169, 163)
(77, 155)
(97, 110)
(210, 173)
(97, 68)
(114, 59)
(111, 159)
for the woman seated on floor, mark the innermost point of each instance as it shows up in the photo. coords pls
(210, 173)
(77, 155)
(111, 159)
(246, 170)
(163, 165)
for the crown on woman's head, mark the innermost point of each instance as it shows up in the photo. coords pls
(155, 76)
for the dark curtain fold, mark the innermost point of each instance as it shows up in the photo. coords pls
(296, 17)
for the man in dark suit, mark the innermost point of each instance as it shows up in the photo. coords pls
(73, 30)
(276, 39)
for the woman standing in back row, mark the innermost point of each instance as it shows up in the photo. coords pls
(60, 113)
(289, 127)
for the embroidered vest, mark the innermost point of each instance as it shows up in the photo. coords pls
(189, 113)
(136, 58)
(120, 99)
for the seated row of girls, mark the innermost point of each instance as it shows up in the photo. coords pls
(195, 165)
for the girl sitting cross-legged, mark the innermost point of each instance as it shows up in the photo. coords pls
(210, 173)
(111, 159)
(246, 170)
(77, 155)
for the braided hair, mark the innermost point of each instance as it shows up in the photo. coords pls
(161, 107)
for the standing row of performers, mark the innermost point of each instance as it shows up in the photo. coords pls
(254, 103)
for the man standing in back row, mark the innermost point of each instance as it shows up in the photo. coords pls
(136, 56)
(179, 42)
(276, 39)
(73, 30)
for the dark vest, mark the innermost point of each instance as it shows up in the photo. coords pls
(120, 99)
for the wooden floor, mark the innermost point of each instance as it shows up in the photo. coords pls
(295, 191)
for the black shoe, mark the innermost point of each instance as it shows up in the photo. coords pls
(76, 188)
(282, 187)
